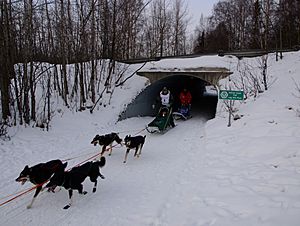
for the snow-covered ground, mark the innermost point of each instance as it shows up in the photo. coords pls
(200, 173)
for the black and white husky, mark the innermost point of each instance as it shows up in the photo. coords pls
(134, 143)
(39, 174)
(73, 179)
(106, 140)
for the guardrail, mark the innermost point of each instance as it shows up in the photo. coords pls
(239, 54)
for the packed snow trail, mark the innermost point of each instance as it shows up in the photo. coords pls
(150, 180)
(165, 164)
(180, 174)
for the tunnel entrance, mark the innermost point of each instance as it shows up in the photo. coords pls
(203, 103)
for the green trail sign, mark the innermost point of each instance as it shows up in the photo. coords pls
(231, 95)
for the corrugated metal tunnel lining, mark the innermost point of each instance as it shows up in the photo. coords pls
(204, 105)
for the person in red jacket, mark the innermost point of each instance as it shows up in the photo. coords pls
(185, 98)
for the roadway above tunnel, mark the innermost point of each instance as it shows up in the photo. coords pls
(211, 75)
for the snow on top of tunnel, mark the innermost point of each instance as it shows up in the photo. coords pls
(197, 64)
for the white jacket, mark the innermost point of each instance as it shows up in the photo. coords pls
(165, 98)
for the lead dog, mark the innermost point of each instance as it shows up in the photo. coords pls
(106, 140)
(39, 174)
(73, 179)
(134, 143)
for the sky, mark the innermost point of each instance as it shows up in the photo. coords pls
(200, 173)
(198, 7)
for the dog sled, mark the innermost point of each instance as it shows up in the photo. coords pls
(162, 121)
(182, 113)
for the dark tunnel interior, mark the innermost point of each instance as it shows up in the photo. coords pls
(203, 104)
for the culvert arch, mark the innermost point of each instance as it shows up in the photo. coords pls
(203, 103)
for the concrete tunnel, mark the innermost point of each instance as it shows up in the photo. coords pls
(203, 104)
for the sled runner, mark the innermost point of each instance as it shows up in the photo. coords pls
(162, 121)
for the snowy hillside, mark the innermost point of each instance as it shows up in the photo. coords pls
(201, 173)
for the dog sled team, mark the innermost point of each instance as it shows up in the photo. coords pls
(54, 173)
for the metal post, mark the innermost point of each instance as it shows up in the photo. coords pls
(230, 111)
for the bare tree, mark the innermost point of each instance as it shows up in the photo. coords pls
(62, 40)
(160, 24)
(6, 56)
(179, 27)
(297, 94)
(248, 79)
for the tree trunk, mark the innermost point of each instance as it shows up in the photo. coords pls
(19, 100)
(265, 68)
(81, 85)
(5, 89)
(6, 59)
(26, 94)
(48, 101)
(32, 92)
